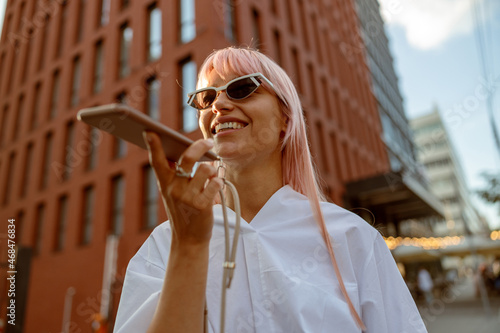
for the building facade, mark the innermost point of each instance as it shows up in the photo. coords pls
(436, 153)
(401, 194)
(83, 202)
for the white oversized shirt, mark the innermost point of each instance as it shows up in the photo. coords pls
(284, 281)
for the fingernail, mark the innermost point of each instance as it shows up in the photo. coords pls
(210, 142)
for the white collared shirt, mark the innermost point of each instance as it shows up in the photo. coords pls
(284, 280)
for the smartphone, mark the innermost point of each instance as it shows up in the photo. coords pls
(128, 124)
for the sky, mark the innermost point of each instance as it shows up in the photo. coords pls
(436, 59)
(2, 13)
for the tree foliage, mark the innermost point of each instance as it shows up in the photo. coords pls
(492, 192)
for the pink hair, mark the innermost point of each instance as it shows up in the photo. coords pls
(298, 169)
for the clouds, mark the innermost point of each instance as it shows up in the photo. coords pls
(429, 23)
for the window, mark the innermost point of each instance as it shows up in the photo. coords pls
(117, 204)
(317, 39)
(6, 27)
(337, 107)
(28, 160)
(104, 12)
(188, 84)
(80, 20)
(46, 161)
(20, 104)
(75, 86)
(336, 156)
(452, 200)
(290, 19)
(277, 46)
(187, 21)
(36, 106)
(124, 4)
(119, 148)
(323, 152)
(153, 91)
(126, 35)
(37, 234)
(54, 95)
(256, 28)
(62, 27)
(20, 22)
(119, 145)
(274, 10)
(229, 21)
(8, 180)
(68, 152)
(98, 67)
(312, 85)
(26, 62)
(303, 23)
(326, 98)
(19, 226)
(3, 124)
(154, 33)
(10, 69)
(150, 197)
(94, 138)
(62, 217)
(122, 98)
(438, 163)
(296, 64)
(2, 64)
(45, 32)
(347, 157)
(87, 214)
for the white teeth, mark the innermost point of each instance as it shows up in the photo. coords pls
(231, 125)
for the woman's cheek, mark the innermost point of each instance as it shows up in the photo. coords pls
(204, 124)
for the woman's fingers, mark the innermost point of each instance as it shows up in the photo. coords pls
(166, 172)
(207, 197)
(163, 168)
(188, 201)
(198, 191)
(194, 153)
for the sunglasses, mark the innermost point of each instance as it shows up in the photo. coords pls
(237, 89)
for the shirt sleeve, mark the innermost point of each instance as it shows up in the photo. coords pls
(387, 305)
(143, 283)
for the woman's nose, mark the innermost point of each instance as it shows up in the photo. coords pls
(222, 103)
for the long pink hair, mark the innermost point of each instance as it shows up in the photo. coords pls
(298, 169)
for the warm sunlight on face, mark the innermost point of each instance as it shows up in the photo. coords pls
(247, 130)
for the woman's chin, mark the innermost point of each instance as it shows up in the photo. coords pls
(228, 150)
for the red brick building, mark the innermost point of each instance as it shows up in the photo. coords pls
(75, 192)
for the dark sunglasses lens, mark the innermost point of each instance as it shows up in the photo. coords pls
(204, 99)
(241, 88)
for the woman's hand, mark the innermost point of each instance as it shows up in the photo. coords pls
(188, 201)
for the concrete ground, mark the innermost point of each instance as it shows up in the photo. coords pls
(459, 311)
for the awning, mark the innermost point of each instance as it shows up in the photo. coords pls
(473, 245)
(399, 197)
(410, 254)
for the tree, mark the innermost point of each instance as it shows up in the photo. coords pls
(491, 193)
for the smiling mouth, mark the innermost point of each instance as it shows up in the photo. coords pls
(227, 126)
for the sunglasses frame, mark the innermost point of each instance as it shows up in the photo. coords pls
(253, 77)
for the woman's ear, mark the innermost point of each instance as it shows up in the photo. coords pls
(284, 124)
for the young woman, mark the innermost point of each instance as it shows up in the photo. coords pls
(302, 264)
